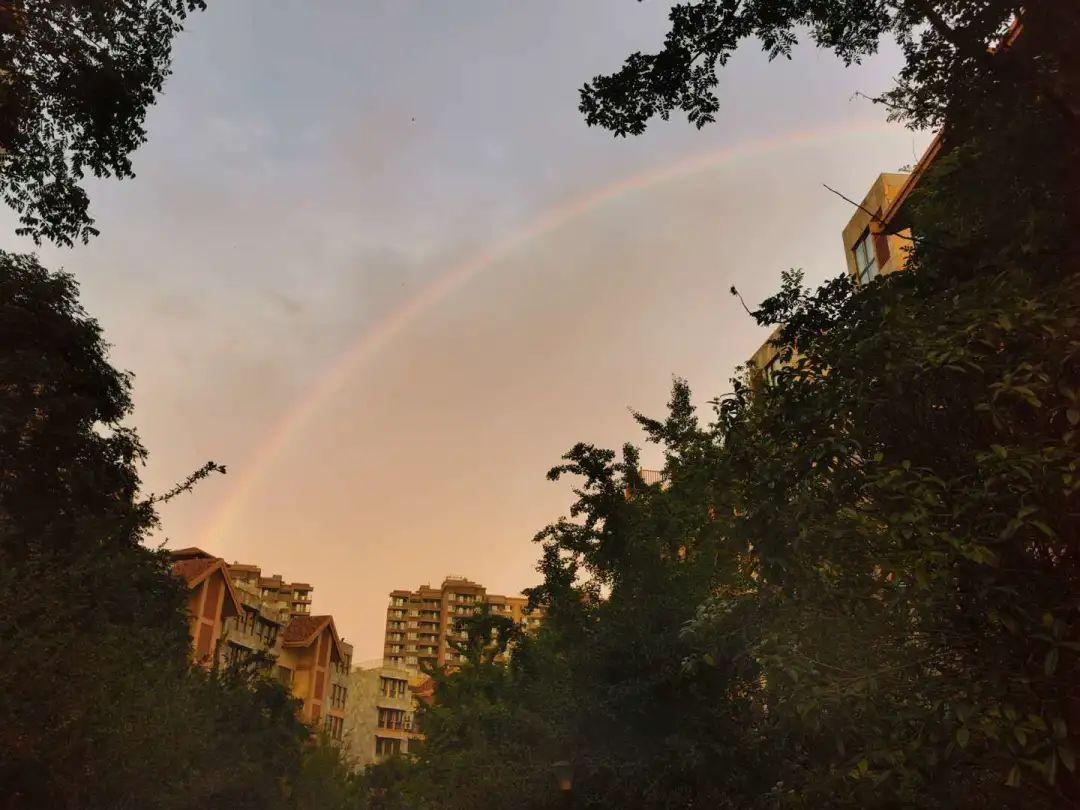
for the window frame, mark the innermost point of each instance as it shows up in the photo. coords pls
(871, 268)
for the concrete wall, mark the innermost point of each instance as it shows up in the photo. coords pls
(877, 200)
(362, 711)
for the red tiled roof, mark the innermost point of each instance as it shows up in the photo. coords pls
(195, 570)
(192, 570)
(425, 691)
(189, 552)
(303, 630)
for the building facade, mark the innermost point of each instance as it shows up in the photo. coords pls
(871, 249)
(212, 601)
(239, 615)
(420, 623)
(876, 242)
(380, 719)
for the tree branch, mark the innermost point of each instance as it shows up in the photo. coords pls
(188, 483)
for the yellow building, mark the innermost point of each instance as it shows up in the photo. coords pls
(420, 623)
(211, 602)
(871, 248)
(235, 613)
(876, 241)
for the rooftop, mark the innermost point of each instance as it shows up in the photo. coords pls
(192, 569)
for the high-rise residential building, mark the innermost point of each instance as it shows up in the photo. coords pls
(420, 623)
(238, 614)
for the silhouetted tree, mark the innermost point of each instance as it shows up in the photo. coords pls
(76, 79)
(945, 45)
(101, 706)
(856, 587)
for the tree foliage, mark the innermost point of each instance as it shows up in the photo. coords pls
(857, 586)
(101, 706)
(945, 44)
(76, 80)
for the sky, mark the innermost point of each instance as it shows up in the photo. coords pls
(374, 262)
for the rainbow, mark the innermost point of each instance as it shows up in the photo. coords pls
(375, 339)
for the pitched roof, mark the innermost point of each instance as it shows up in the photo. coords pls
(194, 570)
(189, 552)
(303, 630)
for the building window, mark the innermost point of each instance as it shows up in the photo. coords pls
(392, 687)
(772, 368)
(393, 719)
(866, 260)
(338, 695)
(334, 726)
(387, 746)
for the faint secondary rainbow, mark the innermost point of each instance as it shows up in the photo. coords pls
(372, 341)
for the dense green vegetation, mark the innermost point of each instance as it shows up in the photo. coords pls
(77, 80)
(857, 586)
(101, 707)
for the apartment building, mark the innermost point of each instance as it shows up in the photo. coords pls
(876, 241)
(379, 720)
(420, 623)
(238, 614)
(871, 247)
(293, 596)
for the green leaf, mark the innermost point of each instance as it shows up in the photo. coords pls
(1068, 758)
(1051, 661)
(1042, 527)
(1013, 779)
(962, 736)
